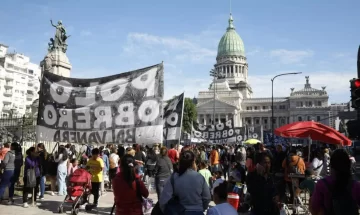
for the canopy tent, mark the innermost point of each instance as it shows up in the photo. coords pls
(252, 141)
(314, 131)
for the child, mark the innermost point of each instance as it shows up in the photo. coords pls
(308, 183)
(217, 180)
(95, 166)
(220, 198)
(205, 172)
(72, 167)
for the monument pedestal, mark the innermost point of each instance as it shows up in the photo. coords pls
(57, 62)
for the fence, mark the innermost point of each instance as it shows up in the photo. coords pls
(22, 129)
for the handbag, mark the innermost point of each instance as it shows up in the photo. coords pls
(145, 202)
(31, 178)
(173, 206)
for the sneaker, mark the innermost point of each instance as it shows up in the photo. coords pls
(10, 202)
(52, 193)
(26, 205)
(41, 198)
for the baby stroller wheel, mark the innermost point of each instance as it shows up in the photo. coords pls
(61, 210)
(75, 211)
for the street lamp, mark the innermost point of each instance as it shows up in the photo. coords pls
(215, 74)
(272, 100)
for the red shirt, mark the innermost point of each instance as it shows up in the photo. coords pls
(172, 153)
(126, 200)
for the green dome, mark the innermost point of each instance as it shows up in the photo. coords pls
(231, 43)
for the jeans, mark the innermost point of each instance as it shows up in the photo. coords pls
(5, 181)
(14, 179)
(215, 168)
(159, 185)
(42, 186)
(61, 179)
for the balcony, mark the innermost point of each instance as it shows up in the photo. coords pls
(8, 93)
(7, 108)
(30, 97)
(9, 77)
(31, 83)
(9, 84)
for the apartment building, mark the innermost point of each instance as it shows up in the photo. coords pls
(19, 83)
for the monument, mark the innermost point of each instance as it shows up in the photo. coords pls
(56, 60)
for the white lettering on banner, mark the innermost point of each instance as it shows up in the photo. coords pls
(211, 128)
(229, 123)
(146, 81)
(230, 132)
(61, 91)
(220, 126)
(89, 96)
(149, 110)
(49, 115)
(225, 133)
(126, 114)
(211, 135)
(202, 127)
(172, 119)
(65, 117)
(205, 135)
(255, 135)
(239, 138)
(82, 118)
(172, 133)
(103, 115)
(119, 85)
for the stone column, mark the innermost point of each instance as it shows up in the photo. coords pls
(233, 68)
(226, 117)
(219, 118)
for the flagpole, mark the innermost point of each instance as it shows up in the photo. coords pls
(182, 116)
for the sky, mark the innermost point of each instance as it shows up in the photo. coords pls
(318, 38)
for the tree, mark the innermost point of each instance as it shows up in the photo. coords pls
(190, 115)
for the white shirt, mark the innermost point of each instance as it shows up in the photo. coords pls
(115, 157)
(222, 209)
(317, 166)
(216, 183)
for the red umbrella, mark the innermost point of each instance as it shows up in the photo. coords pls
(314, 130)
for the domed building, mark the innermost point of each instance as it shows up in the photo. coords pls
(232, 97)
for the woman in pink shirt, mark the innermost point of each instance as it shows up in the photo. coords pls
(338, 182)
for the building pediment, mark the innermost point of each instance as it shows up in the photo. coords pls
(219, 104)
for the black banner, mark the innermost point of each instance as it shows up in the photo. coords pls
(173, 114)
(223, 134)
(123, 108)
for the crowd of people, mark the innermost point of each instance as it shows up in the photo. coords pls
(188, 177)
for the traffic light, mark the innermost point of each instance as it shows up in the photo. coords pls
(355, 93)
(353, 129)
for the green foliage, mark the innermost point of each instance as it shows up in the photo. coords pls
(190, 115)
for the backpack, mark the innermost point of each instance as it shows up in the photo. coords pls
(293, 168)
(342, 203)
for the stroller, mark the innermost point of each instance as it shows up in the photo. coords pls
(79, 190)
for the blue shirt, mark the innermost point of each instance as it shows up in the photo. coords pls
(106, 162)
(191, 189)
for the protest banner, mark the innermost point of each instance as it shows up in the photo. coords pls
(125, 108)
(173, 115)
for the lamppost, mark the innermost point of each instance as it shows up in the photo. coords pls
(215, 74)
(272, 100)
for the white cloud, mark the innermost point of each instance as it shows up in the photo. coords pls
(85, 33)
(336, 83)
(180, 48)
(289, 57)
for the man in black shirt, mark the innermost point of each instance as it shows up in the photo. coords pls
(262, 189)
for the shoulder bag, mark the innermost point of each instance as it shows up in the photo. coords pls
(174, 207)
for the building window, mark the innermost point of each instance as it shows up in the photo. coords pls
(319, 103)
(282, 121)
(31, 72)
(265, 121)
(282, 107)
(299, 118)
(318, 118)
(249, 122)
(255, 108)
(257, 121)
(308, 118)
(264, 107)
